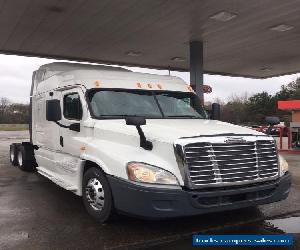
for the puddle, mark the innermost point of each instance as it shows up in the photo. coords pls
(288, 225)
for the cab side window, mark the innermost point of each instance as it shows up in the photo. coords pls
(72, 107)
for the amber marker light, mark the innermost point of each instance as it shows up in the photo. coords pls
(190, 88)
(159, 86)
(97, 83)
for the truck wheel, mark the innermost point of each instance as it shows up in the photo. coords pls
(26, 161)
(97, 195)
(13, 154)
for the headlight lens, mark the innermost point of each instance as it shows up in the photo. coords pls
(142, 172)
(283, 165)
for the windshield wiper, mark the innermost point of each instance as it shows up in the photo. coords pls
(188, 116)
(124, 116)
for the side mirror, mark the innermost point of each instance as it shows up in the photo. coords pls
(216, 111)
(53, 111)
(75, 127)
(135, 121)
(138, 122)
(272, 120)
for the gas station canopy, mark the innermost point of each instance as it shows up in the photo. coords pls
(241, 38)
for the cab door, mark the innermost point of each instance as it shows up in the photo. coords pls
(74, 111)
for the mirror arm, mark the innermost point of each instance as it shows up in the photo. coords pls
(71, 126)
(147, 145)
(61, 125)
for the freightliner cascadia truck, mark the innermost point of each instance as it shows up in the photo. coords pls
(143, 145)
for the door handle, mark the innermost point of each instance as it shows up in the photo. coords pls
(61, 141)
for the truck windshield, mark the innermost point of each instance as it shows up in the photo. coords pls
(148, 104)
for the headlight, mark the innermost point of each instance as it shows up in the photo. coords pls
(142, 172)
(283, 165)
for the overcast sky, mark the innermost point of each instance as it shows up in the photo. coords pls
(16, 72)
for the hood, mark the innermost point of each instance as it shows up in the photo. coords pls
(168, 130)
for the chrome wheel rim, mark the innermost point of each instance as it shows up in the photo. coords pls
(95, 194)
(12, 155)
(20, 158)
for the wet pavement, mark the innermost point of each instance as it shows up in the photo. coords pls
(276, 226)
(37, 214)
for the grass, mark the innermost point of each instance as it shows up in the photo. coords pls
(13, 127)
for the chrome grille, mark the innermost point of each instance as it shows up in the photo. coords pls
(222, 163)
(267, 159)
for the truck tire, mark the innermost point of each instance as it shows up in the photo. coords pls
(13, 154)
(26, 160)
(97, 195)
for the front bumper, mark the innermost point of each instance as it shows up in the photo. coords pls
(156, 203)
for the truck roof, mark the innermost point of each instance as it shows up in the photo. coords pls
(51, 69)
(59, 74)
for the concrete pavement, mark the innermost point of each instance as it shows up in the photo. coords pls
(37, 214)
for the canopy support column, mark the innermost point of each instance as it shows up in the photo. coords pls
(196, 67)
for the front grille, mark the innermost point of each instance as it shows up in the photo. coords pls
(229, 163)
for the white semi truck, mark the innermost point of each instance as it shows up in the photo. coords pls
(143, 145)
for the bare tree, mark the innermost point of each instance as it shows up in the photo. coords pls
(4, 103)
(219, 100)
(242, 98)
(13, 113)
(235, 109)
